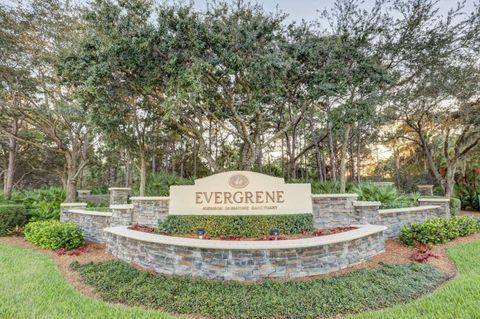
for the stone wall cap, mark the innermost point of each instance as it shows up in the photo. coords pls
(140, 198)
(360, 232)
(73, 205)
(90, 212)
(334, 195)
(433, 200)
(425, 185)
(121, 206)
(417, 209)
(366, 203)
(120, 189)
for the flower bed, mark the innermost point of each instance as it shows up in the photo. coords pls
(305, 234)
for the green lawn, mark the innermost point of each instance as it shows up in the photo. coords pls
(41, 292)
(32, 287)
(459, 298)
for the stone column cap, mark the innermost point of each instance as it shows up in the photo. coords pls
(334, 195)
(73, 205)
(140, 198)
(432, 199)
(366, 203)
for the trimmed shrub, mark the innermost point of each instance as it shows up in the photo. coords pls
(244, 226)
(51, 234)
(455, 205)
(438, 230)
(11, 216)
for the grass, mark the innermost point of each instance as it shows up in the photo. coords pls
(354, 292)
(31, 286)
(41, 292)
(459, 298)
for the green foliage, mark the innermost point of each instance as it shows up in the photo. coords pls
(387, 195)
(11, 216)
(51, 234)
(99, 190)
(438, 230)
(159, 184)
(44, 204)
(455, 206)
(245, 226)
(329, 187)
(354, 292)
(468, 195)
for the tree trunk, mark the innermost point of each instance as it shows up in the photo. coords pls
(71, 183)
(143, 173)
(10, 174)
(333, 166)
(343, 159)
(396, 167)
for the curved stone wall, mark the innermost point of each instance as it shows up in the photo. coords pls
(245, 260)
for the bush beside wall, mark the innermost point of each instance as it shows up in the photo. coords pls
(439, 230)
(11, 216)
(51, 234)
(245, 226)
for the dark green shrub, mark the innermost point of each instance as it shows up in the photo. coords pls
(245, 226)
(387, 195)
(51, 234)
(11, 216)
(438, 230)
(455, 205)
(358, 291)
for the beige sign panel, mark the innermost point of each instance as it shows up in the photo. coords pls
(240, 193)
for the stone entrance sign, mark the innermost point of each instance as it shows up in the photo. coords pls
(240, 193)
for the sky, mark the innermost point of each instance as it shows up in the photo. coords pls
(308, 9)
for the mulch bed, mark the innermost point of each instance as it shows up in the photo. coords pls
(395, 253)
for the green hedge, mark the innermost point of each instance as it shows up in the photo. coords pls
(245, 226)
(51, 234)
(439, 230)
(11, 216)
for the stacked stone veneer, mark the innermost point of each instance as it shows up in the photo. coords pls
(243, 264)
(91, 223)
(397, 217)
(148, 211)
(333, 210)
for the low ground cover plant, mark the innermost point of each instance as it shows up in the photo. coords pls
(438, 230)
(244, 226)
(11, 217)
(354, 292)
(422, 253)
(51, 234)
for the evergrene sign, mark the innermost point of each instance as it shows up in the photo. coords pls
(240, 193)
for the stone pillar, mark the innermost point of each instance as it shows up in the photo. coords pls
(121, 215)
(66, 206)
(82, 194)
(425, 190)
(119, 195)
(148, 211)
(333, 210)
(442, 203)
(383, 184)
(367, 212)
